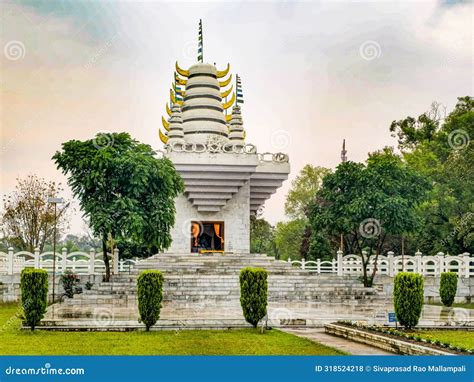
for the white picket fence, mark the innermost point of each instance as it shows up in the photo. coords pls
(390, 264)
(82, 263)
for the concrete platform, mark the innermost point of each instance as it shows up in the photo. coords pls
(124, 315)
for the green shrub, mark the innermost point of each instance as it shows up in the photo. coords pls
(150, 295)
(447, 287)
(34, 295)
(408, 298)
(253, 294)
(69, 280)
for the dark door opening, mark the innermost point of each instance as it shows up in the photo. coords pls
(207, 237)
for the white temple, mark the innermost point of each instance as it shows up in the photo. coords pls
(226, 179)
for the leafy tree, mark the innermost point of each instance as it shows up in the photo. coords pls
(79, 243)
(28, 218)
(124, 191)
(262, 236)
(289, 237)
(369, 203)
(303, 190)
(439, 148)
(318, 245)
(294, 238)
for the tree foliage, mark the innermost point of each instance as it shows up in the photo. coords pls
(28, 218)
(367, 204)
(262, 237)
(303, 190)
(123, 190)
(289, 237)
(439, 147)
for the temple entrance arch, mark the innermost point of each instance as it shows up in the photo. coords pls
(207, 236)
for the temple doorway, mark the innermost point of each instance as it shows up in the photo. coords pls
(207, 237)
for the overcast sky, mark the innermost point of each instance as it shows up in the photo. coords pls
(313, 73)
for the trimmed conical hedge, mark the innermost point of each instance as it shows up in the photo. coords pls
(150, 295)
(253, 294)
(408, 298)
(447, 287)
(34, 295)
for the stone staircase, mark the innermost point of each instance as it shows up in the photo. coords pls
(205, 290)
(198, 278)
(221, 264)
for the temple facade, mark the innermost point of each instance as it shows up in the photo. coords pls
(226, 179)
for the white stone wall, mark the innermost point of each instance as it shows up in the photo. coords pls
(235, 215)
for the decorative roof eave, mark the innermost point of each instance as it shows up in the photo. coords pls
(223, 73)
(181, 72)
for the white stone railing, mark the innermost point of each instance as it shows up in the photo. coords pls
(212, 147)
(81, 263)
(273, 157)
(390, 264)
(228, 148)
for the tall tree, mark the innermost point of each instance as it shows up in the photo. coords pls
(262, 236)
(368, 204)
(28, 218)
(302, 193)
(303, 190)
(124, 191)
(289, 237)
(440, 147)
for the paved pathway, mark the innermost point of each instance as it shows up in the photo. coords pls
(354, 348)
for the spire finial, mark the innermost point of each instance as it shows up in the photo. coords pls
(200, 43)
(344, 152)
(238, 90)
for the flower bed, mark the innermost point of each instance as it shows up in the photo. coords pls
(410, 336)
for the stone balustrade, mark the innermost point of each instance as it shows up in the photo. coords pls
(390, 264)
(87, 263)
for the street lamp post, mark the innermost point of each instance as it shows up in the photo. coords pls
(343, 160)
(54, 201)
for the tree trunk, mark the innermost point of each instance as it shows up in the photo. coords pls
(375, 265)
(106, 258)
(364, 270)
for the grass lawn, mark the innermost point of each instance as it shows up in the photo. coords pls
(466, 305)
(14, 341)
(461, 338)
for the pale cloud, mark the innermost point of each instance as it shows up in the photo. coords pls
(95, 66)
